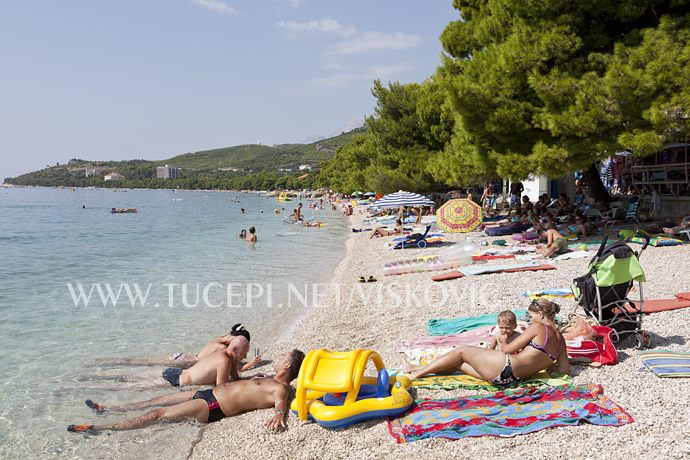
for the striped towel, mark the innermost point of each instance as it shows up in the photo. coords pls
(666, 363)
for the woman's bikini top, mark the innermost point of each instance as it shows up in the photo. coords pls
(542, 348)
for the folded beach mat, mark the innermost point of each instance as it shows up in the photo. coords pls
(503, 268)
(447, 326)
(657, 305)
(502, 231)
(683, 295)
(460, 380)
(508, 413)
(492, 257)
(666, 363)
(447, 276)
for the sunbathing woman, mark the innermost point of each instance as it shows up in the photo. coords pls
(540, 347)
(380, 231)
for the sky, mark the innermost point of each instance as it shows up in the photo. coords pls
(129, 79)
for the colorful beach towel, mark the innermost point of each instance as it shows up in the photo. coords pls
(558, 293)
(447, 326)
(460, 380)
(469, 338)
(666, 363)
(508, 413)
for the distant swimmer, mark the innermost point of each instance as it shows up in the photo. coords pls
(243, 234)
(242, 210)
(83, 206)
(276, 211)
(252, 235)
(207, 406)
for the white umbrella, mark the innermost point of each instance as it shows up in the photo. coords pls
(397, 199)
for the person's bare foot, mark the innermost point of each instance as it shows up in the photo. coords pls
(668, 230)
(409, 368)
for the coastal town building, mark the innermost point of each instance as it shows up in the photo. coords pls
(113, 176)
(167, 172)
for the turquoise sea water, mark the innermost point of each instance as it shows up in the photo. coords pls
(177, 240)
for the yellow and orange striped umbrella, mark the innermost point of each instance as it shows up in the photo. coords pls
(459, 215)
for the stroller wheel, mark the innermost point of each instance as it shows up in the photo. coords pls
(643, 340)
(421, 244)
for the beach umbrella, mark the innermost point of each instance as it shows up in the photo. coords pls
(459, 216)
(356, 193)
(369, 194)
(397, 199)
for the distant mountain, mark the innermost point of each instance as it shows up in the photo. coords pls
(228, 162)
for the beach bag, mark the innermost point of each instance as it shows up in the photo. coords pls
(600, 350)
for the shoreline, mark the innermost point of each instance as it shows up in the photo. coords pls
(660, 417)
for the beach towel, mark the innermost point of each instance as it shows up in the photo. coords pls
(470, 337)
(508, 413)
(666, 363)
(447, 326)
(492, 257)
(557, 293)
(460, 380)
(657, 305)
(683, 295)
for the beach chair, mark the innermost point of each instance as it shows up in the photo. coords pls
(604, 291)
(419, 240)
(633, 208)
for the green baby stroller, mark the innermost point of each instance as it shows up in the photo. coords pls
(604, 292)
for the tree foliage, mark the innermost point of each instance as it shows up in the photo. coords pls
(550, 86)
(411, 123)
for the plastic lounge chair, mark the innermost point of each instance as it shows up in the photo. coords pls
(633, 207)
(420, 241)
(605, 217)
(685, 232)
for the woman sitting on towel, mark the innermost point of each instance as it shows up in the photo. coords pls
(381, 231)
(540, 347)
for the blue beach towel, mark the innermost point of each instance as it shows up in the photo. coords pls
(447, 326)
(666, 363)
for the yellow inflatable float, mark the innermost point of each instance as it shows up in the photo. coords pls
(333, 391)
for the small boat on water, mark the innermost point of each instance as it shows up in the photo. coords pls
(283, 197)
(123, 210)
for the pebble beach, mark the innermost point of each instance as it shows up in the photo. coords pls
(354, 315)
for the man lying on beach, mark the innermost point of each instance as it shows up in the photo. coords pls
(185, 360)
(684, 225)
(219, 367)
(207, 406)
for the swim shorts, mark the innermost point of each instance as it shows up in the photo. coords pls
(215, 413)
(172, 376)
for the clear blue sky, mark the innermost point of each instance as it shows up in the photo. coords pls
(124, 79)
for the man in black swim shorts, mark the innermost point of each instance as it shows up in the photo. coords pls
(211, 405)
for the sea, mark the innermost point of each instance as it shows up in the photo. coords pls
(80, 285)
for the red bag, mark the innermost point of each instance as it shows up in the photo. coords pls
(599, 351)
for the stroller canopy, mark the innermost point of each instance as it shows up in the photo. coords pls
(617, 264)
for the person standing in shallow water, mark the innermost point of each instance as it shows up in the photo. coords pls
(251, 237)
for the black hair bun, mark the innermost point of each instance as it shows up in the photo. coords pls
(239, 329)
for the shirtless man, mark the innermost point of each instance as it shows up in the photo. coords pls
(555, 243)
(214, 369)
(226, 400)
(252, 235)
(184, 360)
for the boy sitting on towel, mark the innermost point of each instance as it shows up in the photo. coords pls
(507, 322)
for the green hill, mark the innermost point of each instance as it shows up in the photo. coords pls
(230, 167)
